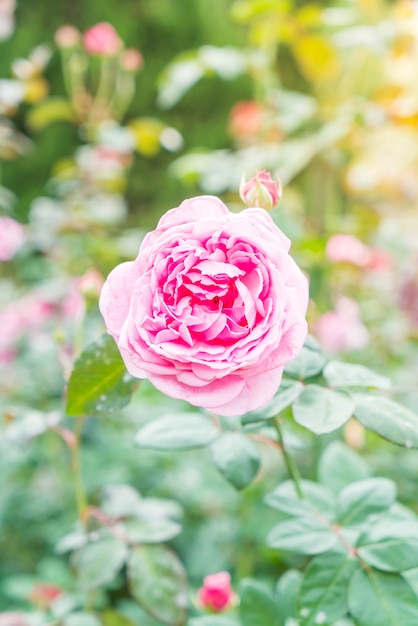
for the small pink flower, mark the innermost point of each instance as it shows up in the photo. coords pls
(12, 619)
(102, 39)
(260, 191)
(216, 593)
(43, 595)
(67, 36)
(347, 248)
(12, 236)
(132, 60)
(380, 260)
(90, 283)
(212, 307)
(245, 119)
(342, 330)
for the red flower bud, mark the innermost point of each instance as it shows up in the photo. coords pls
(216, 593)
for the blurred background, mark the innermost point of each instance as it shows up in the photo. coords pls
(102, 131)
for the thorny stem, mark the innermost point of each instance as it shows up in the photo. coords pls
(290, 464)
(80, 494)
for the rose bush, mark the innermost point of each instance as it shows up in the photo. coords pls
(212, 308)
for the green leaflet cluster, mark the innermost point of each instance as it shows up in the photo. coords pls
(362, 546)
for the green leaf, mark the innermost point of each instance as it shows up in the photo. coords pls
(113, 618)
(380, 599)
(97, 563)
(120, 500)
(287, 593)
(391, 546)
(179, 431)
(391, 554)
(388, 419)
(158, 583)
(323, 595)
(339, 466)
(81, 619)
(317, 499)
(49, 111)
(308, 363)
(212, 620)
(358, 501)
(236, 457)
(322, 410)
(287, 393)
(339, 374)
(99, 383)
(257, 607)
(143, 530)
(302, 535)
(177, 78)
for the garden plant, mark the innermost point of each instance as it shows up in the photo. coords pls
(209, 314)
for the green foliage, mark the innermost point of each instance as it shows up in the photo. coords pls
(91, 511)
(322, 410)
(388, 419)
(324, 589)
(158, 582)
(378, 598)
(99, 383)
(236, 457)
(98, 562)
(177, 432)
(257, 607)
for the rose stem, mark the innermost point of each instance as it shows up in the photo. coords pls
(290, 464)
(80, 494)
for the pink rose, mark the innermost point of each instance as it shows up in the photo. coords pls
(342, 329)
(12, 619)
(347, 248)
(260, 191)
(102, 39)
(216, 593)
(212, 307)
(12, 235)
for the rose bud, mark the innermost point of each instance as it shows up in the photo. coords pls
(67, 36)
(44, 595)
(102, 39)
(12, 236)
(260, 191)
(132, 60)
(216, 593)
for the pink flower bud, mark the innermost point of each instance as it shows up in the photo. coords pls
(67, 36)
(102, 39)
(245, 119)
(216, 593)
(347, 248)
(44, 595)
(12, 235)
(132, 60)
(90, 283)
(342, 330)
(260, 191)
